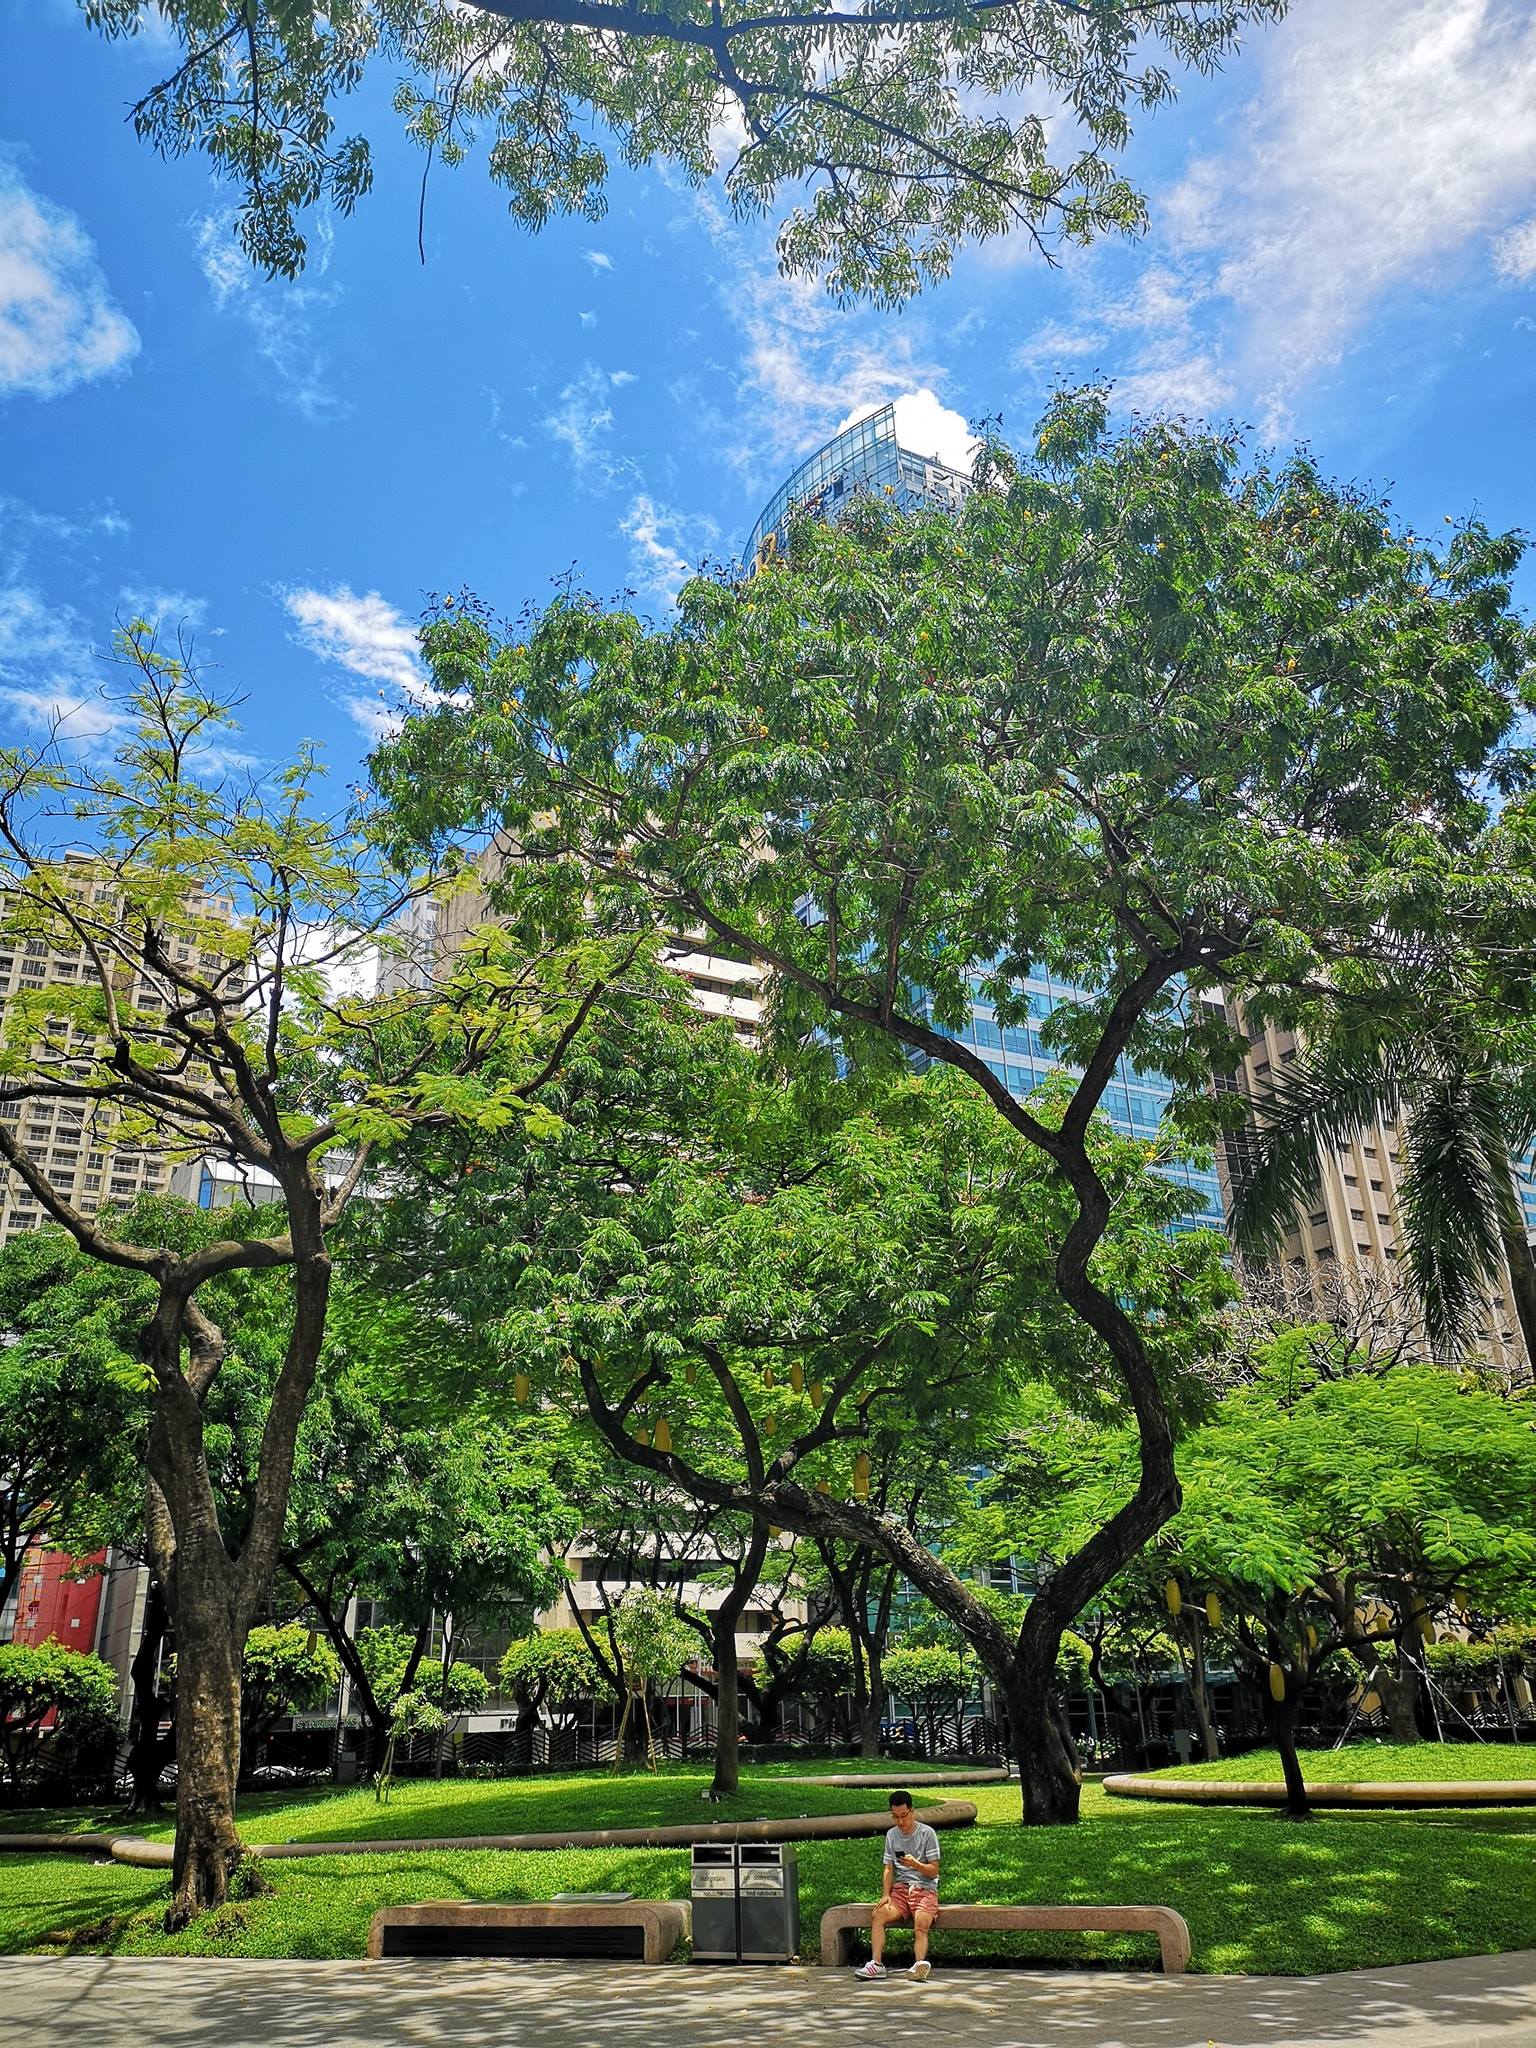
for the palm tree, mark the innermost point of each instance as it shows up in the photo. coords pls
(1465, 1117)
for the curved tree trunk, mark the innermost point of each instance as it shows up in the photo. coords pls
(1049, 1775)
(1282, 1722)
(207, 1737)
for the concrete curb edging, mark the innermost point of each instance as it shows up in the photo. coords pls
(134, 1849)
(1409, 1792)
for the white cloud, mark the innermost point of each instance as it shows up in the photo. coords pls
(598, 258)
(280, 316)
(618, 378)
(50, 680)
(58, 324)
(1389, 143)
(587, 319)
(1514, 253)
(368, 638)
(927, 428)
(664, 547)
(582, 422)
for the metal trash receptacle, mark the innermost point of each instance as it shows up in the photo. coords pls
(768, 1878)
(716, 1925)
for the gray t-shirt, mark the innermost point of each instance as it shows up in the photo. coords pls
(922, 1843)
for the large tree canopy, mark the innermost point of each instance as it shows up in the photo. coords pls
(1169, 720)
(894, 130)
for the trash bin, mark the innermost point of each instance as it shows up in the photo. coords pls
(768, 1878)
(716, 1927)
(746, 1902)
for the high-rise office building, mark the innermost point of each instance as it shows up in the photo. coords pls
(1343, 1257)
(80, 1149)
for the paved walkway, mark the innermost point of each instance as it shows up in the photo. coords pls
(1475, 2003)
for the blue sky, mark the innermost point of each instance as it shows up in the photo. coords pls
(1343, 250)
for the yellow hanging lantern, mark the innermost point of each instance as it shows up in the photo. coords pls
(861, 1475)
(690, 1372)
(774, 1530)
(1426, 1628)
(768, 1379)
(1311, 1637)
(1213, 1610)
(521, 1388)
(769, 1425)
(816, 1393)
(797, 1377)
(662, 1440)
(1276, 1684)
(643, 1436)
(1173, 1595)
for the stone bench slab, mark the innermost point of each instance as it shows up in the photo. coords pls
(839, 1925)
(632, 1930)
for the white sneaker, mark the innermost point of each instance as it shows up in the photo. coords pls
(871, 1969)
(920, 1970)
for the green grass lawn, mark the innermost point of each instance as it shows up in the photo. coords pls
(1261, 1894)
(496, 1806)
(1382, 1762)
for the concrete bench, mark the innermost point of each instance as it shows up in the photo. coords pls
(839, 1925)
(629, 1930)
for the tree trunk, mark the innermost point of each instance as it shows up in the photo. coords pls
(1398, 1684)
(149, 1751)
(727, 1779)
(1050, 1778)
(1282, 1721)
(1199, 1692)
(723, 1624)
(871, 1713)
(207, 1748)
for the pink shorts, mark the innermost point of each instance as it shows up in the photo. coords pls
(913, 1902)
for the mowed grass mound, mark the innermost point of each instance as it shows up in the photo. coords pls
(441, 1808)
(1381, 1763)
(1261, 1894)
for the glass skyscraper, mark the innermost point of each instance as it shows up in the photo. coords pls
(867, 459)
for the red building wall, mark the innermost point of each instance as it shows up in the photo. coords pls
(51, 1603)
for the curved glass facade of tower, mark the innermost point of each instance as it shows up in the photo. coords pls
(866, 458)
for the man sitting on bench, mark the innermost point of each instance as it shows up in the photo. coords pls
(909, 1889)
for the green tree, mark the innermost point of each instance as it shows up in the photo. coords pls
(934, 1679)
(1163, 719)
(209, 922)
(43, 1679)
(417, 1505)
(835, 1313)
(1349, 1514)
(283, 1670)
(552, 1669)
(430, 1711)
(893, 132)
(651, 1643)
